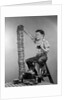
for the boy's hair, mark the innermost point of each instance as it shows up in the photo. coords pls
(41, 31)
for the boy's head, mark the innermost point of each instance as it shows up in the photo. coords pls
(40, 34)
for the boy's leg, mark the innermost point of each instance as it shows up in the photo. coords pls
(37, 67)
(30, 62)
(42, 63)
(43, 69)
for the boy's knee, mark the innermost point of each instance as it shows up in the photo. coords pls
(27, 60)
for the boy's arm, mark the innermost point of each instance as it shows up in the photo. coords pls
(45, 46)
(32, 37)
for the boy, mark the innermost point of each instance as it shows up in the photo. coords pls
(42, 47)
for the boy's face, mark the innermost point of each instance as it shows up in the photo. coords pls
(39, 35)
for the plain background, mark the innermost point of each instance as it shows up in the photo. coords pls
(31, 24)
(64, 57)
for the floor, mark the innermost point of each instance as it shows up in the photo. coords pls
(26, 83)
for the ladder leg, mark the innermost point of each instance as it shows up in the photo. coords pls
(49, 75)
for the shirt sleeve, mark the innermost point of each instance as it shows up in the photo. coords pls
(46, 46)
